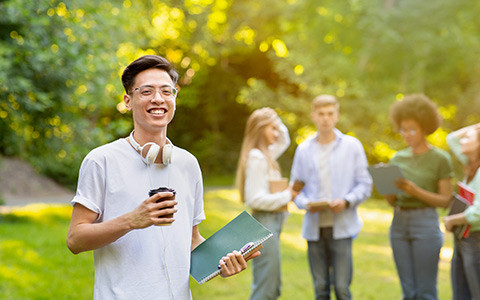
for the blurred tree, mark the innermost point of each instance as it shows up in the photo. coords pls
(371, 53)
(60, 62)
(56, 86)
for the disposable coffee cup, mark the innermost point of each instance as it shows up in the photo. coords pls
(164, 189)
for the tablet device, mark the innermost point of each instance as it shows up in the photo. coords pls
(384, 176)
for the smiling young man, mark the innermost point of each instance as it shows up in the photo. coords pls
(334, 168)
(140, 250)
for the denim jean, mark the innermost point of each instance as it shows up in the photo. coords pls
(267, 281)
(331, 263)
(466, 268)
(416, 241)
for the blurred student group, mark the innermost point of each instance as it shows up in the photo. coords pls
(330, 178)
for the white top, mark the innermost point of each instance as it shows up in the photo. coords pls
(150, 263)
(325, 185)
(258, 174)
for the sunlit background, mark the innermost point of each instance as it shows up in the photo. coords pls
(60, 67)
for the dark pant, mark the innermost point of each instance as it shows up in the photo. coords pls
(267, 271)
(416, 241)
(331, 263)
(466, 268)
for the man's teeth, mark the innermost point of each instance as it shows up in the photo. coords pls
(157, 111)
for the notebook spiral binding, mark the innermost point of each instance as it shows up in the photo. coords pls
(256, 244)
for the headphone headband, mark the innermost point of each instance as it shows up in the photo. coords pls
(153, 152)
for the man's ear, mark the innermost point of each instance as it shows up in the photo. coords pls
(337, 117)
(127, 99)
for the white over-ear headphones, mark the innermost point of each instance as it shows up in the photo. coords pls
(152, 153)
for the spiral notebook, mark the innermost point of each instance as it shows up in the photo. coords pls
(242, 230)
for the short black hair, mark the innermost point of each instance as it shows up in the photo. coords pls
(144, 63)
(419, 108)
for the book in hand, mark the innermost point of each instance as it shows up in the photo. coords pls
(278, 185)
(468, 194)
(384, 177)
(242, 232)
(458, 205)
(318, 204)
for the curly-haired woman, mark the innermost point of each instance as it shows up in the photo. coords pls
(415, 234)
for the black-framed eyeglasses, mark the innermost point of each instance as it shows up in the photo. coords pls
(148, 92)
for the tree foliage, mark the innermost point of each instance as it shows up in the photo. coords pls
(57, 83)
(60, 63)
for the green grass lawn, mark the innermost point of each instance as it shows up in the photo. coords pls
(34, 260)
(36, 264)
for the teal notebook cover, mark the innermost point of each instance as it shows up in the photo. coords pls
(233, 236)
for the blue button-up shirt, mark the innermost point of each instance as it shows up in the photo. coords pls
(349, 178)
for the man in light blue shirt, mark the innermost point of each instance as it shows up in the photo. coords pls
(333, 167)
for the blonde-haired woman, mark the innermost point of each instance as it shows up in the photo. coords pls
(265, 139)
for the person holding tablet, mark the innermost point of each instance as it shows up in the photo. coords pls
(415, 234)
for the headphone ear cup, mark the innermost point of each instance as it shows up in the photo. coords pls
(167, 151)
(152, 154)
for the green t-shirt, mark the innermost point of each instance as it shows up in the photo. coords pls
(425, 170)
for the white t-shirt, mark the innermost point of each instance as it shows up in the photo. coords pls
(325, 184)
(150, 263)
